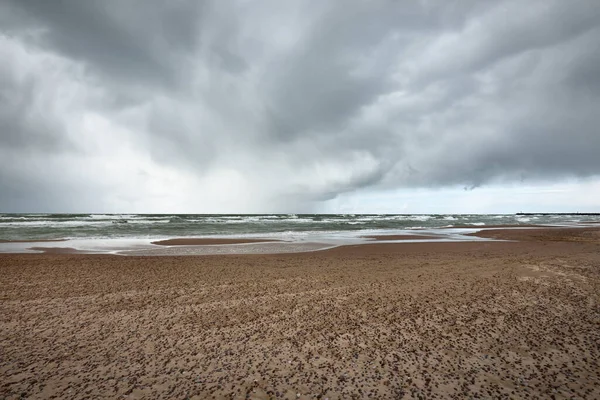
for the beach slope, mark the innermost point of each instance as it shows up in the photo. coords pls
(413, 320)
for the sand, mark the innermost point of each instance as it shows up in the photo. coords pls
(591, 235)
(403, 237)
(495, 226)
(407, 320)
(209, 241)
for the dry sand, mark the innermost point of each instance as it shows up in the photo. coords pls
(408, 320)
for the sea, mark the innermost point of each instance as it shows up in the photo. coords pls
(122, 230)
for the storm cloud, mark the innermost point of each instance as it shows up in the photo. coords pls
(242, 106)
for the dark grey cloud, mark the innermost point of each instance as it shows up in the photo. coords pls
(133, 40)
(260, 106)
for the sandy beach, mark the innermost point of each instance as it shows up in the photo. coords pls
(208, 241)
(513, 319)
(402, 237)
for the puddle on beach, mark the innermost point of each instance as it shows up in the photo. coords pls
(314, 242)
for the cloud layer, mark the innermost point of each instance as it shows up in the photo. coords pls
(277, 106)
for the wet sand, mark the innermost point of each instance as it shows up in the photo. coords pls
(59, 250)
(586, 234)
(406, 320)
(209, 241)
(495, 226)
(403, 237)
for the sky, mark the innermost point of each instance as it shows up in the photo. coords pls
(299, 106)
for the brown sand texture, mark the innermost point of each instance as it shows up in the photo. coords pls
(406, 320)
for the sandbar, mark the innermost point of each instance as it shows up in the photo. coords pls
(554, 234)
(403, 237)
(209, 241)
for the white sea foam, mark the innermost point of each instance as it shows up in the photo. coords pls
(421, 217)
(57, 224)
(106, 216)
(148, 221)
(22, 226)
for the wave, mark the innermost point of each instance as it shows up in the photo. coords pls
(47, 223)
(25, 226)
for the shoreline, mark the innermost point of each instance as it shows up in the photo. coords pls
(402, 237)
(271, 245)
(383, 320)
(209, 241)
